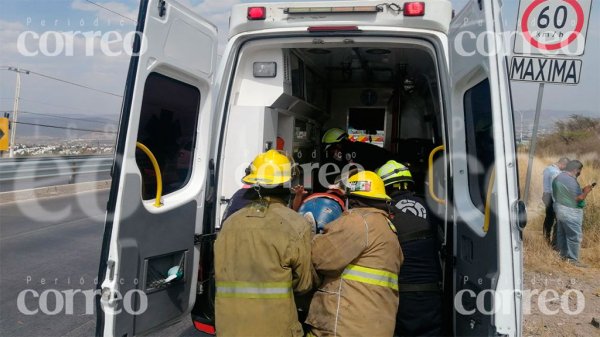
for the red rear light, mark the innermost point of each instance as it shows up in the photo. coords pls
(206, 328)
(414, 9)
(257, 13)
(313, 29)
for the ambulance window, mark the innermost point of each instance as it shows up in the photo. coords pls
(479, 138)
(167, 127)
(367, 125)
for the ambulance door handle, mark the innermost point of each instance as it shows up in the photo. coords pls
(431, 181)
(157, 173)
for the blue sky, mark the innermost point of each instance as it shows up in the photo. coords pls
(108, 72)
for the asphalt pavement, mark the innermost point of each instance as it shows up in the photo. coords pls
(49, 254)
(23, 184)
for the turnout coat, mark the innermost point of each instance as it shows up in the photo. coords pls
(359, 257)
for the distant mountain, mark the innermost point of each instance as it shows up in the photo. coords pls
(32, 128)
(549, 117)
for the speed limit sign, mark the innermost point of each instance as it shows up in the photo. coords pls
(552, 27)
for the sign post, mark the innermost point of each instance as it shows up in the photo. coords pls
(3, 134)
(536, 123)
(548, 45)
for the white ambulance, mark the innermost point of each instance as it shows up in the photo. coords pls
(429, 86)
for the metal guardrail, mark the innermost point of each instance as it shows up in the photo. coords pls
(27, 168)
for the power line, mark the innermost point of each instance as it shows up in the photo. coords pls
(62, 117)
(110, 10)
(63, 127)
(61, 80)
(75, 84)
(71, 108)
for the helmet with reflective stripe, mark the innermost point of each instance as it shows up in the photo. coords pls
(367, 184)
(325, 207)
(269, 169)
(334, 135)
(394, 172)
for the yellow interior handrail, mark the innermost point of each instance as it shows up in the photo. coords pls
(488, 201)
(431, 183)
(157, 173)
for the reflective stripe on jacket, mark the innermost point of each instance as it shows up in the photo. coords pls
(359, 256)
(371, 276)
(261, 258)
(254, 289)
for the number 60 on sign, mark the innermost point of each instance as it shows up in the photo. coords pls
(552, 27)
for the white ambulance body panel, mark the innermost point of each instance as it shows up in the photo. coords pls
(438, 14)
(333, 61)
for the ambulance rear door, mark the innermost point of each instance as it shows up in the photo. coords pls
(486, 234)
(150, 257)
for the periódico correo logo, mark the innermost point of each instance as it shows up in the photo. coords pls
(76, 43)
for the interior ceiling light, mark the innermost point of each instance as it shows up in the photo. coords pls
(319, 51)
(378, 51)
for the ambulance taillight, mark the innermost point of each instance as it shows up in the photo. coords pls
(257, 13)
(414, 9)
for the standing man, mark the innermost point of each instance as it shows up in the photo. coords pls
(550, 173)
(569, 200)
(262, 257)
(420, 308)
(359, 258)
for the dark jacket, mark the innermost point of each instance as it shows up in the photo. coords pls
(417, 232)
(420, 308)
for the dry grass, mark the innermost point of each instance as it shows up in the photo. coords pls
(576, 138)
(538, 256)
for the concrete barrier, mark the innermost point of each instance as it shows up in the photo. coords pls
(52, 191)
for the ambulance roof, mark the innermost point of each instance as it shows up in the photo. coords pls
(437, 16)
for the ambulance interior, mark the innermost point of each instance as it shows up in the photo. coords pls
(286, 98)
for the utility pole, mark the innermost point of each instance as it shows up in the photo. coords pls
(15, 113)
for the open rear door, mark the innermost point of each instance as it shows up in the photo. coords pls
(486, 234)
(149, 262)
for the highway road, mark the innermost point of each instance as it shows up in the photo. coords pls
(23, 184)
(48, 246)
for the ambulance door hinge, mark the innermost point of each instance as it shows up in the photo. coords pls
(204, 238)
(162, 8)
(211, 190)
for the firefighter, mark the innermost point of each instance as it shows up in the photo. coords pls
(339, 149)
(359, 257)
(420, 309)
(262, 257)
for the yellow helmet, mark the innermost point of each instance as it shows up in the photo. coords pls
(333, 135)
(367, 184)
(394, 172)
(269, 168)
